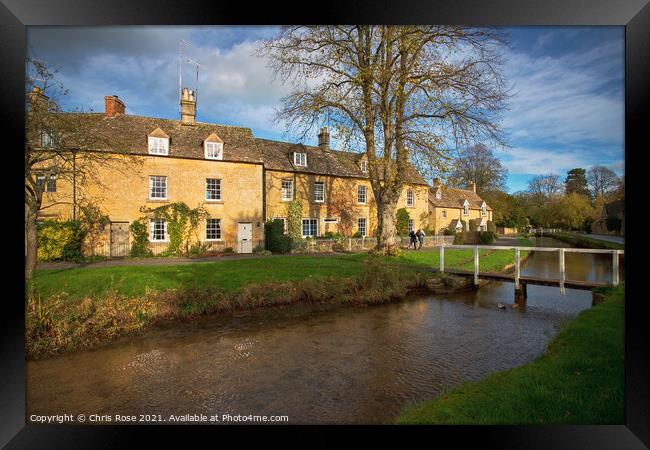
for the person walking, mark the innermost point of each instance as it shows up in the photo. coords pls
(420, 235)
(413, 239)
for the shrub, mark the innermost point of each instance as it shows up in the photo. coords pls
(459, 239)
(260, 250)
(334, 236)
(275, 240)
(473, 224)
(228, 251)
(198, 249)
(613, 224)
(491, 226)
(140, 246)
(357, 235)
(402, 223)
(486, 237)
(59, 240)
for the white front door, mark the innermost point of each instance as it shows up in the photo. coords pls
(245, 237)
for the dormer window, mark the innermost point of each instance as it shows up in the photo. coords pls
(438, 194)
(158, 142)
(213, 150)
(364, 166)
(213, 147)
(483, 209)
(466, 208)
(47, 139)
(300, 159)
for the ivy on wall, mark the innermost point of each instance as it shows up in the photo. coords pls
(182, 225)
(294, 219)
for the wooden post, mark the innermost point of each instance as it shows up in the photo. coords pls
(615, 267)
(476, 266)
(562, 274)
(517, 267)
(442, 258)
(350, 244)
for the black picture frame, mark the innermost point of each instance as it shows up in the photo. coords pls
(634, 15)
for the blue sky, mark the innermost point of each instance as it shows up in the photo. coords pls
(567, 108)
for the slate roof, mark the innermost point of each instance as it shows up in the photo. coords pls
(127, 132)
(278, 155)
(454, 198)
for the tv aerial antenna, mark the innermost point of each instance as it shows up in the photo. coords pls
(196, 89)
(180, 70)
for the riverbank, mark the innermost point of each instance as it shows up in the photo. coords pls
(582, 241)
(580, 379)
(80, 308)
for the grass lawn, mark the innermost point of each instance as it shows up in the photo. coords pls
(580, 379)
(231, 275)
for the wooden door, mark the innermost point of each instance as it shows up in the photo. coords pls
(245, 237)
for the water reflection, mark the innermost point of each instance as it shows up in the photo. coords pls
(316, 365)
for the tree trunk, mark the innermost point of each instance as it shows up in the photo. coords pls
(31, 245)
(387, 239)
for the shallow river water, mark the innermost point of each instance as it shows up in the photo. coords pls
(317, 364)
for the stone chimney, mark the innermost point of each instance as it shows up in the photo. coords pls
(113, 106)
(472, 186)
(37, 99)
(188, 107)
(324, 139)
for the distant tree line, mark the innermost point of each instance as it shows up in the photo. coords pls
(549, 201)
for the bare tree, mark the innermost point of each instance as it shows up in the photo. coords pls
(602, 181)
(477, 164)
(545, 187)
(398, 92)
(58, 148)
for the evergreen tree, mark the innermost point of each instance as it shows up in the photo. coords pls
(576, 182)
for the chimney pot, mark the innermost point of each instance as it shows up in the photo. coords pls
(113, 106)
(324, 139)
(188, 107)
(472, 186)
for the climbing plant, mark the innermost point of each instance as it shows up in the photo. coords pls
(182, 225)
(402, 224)
(294, 219)
(140, 246)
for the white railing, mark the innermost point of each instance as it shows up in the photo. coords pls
(560, 250)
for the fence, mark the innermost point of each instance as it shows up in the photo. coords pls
(361, 244)
(213, 248)
(544, 230)
(204, 248)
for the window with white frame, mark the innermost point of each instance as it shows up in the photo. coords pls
(361, 194)
(213, 229)
(466, 208)
(213, 150)
(287, 189)
(47, 139)
(309, 227)
(438, 194)
(361, 226)
(410, 198)
(157, 187)
(157, 230)
(410, 225)
(212, 189)
(158, 145)
(483, 209)
(364, 165)
(50, 186)
(300, 159)
(319, 191)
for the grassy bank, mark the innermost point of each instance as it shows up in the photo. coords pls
(585, 242)
(580, 379)
(77, 308)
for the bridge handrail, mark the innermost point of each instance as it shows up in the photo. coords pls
(538, 249)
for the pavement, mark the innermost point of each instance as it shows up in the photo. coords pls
(606, 237)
